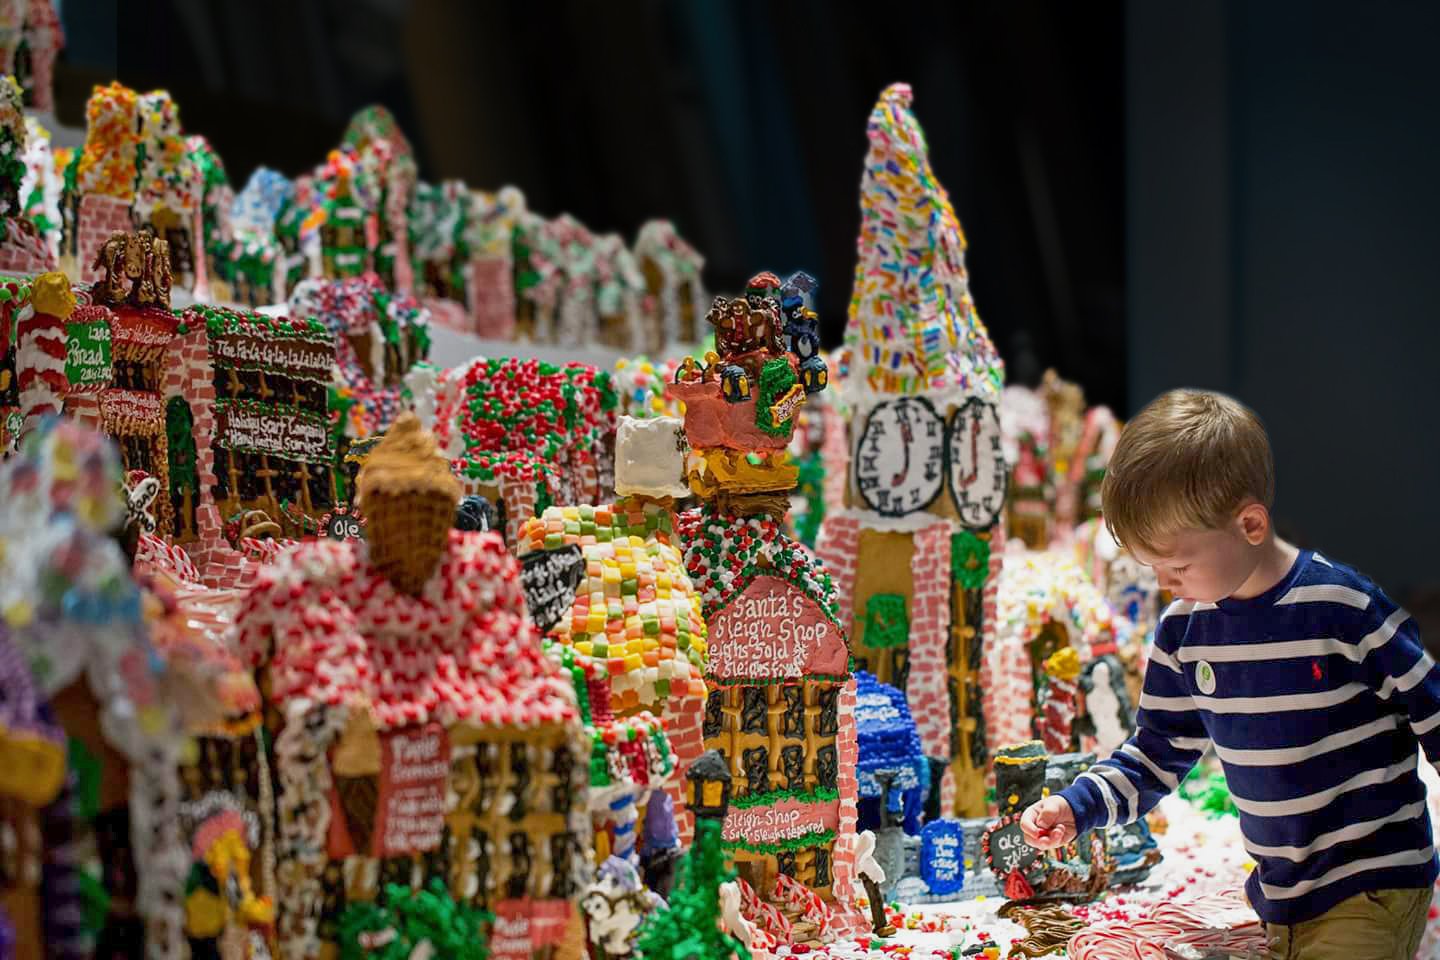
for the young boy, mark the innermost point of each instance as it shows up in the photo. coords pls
(1310, 684)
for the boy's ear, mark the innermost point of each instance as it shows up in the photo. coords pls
(1254, 522)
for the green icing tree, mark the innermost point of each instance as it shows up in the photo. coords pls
(369, 931)
(689, 929)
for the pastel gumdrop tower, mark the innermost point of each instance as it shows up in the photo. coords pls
(916, 554)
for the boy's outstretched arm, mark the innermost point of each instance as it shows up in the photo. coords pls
(1399, 670)
(1169, 740)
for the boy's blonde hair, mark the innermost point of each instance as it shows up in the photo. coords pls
(1189, 460)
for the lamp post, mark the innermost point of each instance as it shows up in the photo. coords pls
(707, 785)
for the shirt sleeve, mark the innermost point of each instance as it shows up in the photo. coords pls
(1399, 670)
(1169, 740)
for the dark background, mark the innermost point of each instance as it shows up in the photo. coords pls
(1233, 195)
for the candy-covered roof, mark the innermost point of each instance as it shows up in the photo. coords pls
(636, 616)
(724, 554)
(225, 321)
(1038, 586)
(357, 306)
(332, 629)
(913, 327)
(507, 417)
(642, 385)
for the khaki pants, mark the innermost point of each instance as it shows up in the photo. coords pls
(1382, 925)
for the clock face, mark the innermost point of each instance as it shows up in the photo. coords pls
(900, 459)
(978, 474)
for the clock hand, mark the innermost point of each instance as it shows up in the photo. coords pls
(974, 454)
(905, 438)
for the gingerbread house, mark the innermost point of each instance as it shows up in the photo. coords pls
(619, 294)
(35, 801)
(439, 218)
(379, 337)
(387, 154)
(634, 629)
(226, 804)
(346, 201)
(41, 189)
(253, 263)
(423, 735)
(297, 233)
(1058, 450)
(492, 298)
(23, 248)
(642, 386)
(74, 617)
(214, 234)
(98, 205)
(781, 705)
(916, 554)
(674, 289)
(227, 411)
(539, 264)
(169, 186)
(1050, 622)
(30, 52)
(523, 433)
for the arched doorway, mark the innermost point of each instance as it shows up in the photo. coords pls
(184, 477)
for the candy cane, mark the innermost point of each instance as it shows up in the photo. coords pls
(764, 915)
(626, 815)
(807, 901)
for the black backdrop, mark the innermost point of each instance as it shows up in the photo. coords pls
(1229, 194)
(742, 121)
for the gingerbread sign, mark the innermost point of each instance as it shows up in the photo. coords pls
(774, 629)
(414, 766)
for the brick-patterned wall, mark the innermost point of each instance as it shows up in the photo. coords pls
(519, 497)
(492, 297)
(24, 252)
(837, 545)
(447, 314)
(926, 689)
(188, 374)
(685, 726)
(993, 701)
(99, 217)
(846, 884)
(835, 455)
(84, 408)
(395, 213)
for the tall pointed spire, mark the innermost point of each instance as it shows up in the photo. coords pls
(913, 328)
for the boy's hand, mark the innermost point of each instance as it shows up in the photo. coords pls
(1048, 824)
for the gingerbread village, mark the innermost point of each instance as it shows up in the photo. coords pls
(313, 648)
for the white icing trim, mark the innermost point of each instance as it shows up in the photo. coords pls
(910, 523)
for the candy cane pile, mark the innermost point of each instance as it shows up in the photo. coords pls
(1221, 922)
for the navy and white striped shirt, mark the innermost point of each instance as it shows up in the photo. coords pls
(1314, 695)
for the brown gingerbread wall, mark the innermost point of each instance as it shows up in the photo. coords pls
(926, 689)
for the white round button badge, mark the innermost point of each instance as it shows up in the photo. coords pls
(1205, 677)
